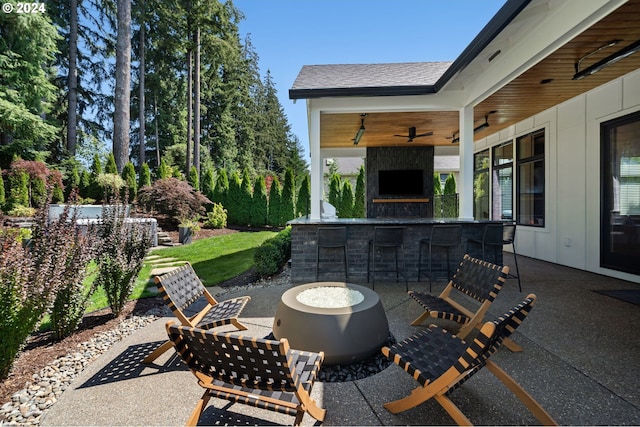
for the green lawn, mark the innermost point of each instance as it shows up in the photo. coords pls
(215, 259)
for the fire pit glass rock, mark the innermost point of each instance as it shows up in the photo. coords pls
(344, 320)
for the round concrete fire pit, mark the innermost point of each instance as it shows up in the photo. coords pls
(345, 321)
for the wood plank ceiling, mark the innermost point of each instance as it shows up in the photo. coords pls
(546, 84)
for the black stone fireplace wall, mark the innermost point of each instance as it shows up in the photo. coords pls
(399, 158)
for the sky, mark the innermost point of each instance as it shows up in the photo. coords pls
(288, 34)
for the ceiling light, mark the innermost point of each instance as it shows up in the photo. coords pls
(611, 59)
(360, 132)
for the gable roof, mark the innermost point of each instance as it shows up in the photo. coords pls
(406, 78)
(397, 79)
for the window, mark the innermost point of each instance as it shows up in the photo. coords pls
(530, 164)
(502, 183)
(481, 185)
(620, 194)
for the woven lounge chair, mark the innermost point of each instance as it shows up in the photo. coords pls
(474, 278)
(442, 362)
(259, 372)
(181, 289)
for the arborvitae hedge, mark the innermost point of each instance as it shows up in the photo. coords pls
(145, 176)
(288, 194)
(259, 206)
(129, 177)
(346, 204)
(275, 201)
(359, 210)
(194, 179)
(303, 201)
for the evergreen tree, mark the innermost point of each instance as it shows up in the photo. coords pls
(450, 198)
(359, 201)
(245, 199)
(437, 186)
(450, 185)
(95, 190)
(2, 193)
(85, 184)
(222, 188)
(259, 208)
(346, 203)
(73, 181)
(208, 183)
(193, 178)
(129, 177)
(18, 189)
(164, 171)
(234, 199)
(145, 176)
(111, 167)
(27, 48)
(288, 197)
(334, 191)
(275, 203)
(303, 201)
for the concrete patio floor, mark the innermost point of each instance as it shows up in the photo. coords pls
(581, 362)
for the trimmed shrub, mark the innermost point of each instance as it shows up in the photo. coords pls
(216, 217)
(234, 199)
(271, 256)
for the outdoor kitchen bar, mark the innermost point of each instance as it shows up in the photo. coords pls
(304, 239)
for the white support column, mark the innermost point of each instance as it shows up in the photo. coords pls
(465, 186)
(316, 163)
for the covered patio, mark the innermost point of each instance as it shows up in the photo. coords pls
(550, 70)
(580, 354)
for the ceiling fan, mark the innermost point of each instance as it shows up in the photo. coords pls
(413, 134)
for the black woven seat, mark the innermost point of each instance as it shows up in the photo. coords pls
(182, 291)
(259, 372)
(439, 308)
(474, 278)
(441, 362)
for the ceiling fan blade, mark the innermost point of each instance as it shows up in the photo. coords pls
(424, 134)
(403, 136)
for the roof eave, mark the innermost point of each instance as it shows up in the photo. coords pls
(505, 15)
(361, 91)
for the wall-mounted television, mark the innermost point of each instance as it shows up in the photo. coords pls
(401, 182)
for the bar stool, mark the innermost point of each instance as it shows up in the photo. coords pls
(444, 236)
(496, 236)
(332, 238)
(386, 239)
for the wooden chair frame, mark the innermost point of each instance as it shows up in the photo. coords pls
(180, 289)
(263, 373)
(441, 362)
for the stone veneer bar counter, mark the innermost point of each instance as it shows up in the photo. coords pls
(304, 238)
